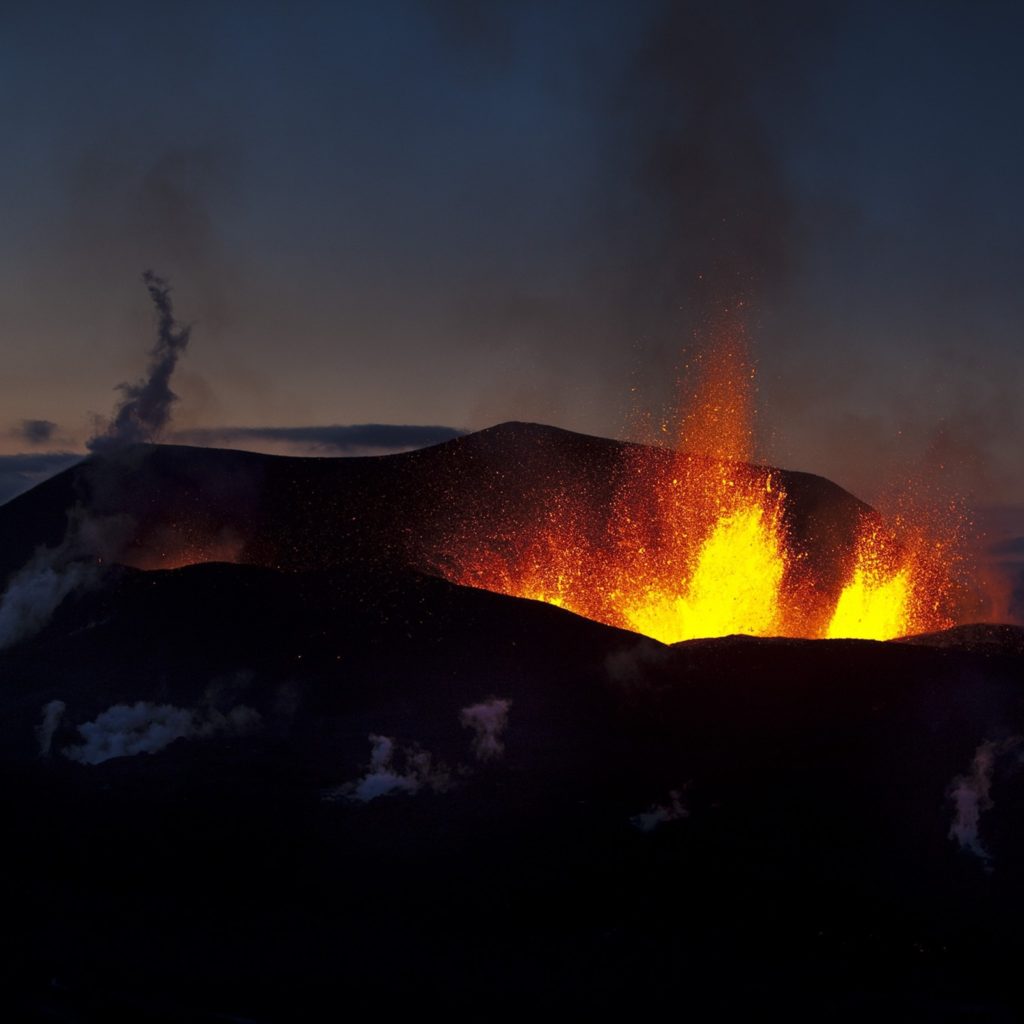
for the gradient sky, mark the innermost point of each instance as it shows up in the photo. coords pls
(457, 213)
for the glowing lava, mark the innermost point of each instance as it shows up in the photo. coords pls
(900, 584)
(696, 542)
(734, 585)
(702, 541)
(876, 603)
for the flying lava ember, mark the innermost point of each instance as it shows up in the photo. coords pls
(698, 541)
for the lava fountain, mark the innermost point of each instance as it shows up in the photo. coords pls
(697, 541)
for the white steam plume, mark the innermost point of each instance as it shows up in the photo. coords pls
(35, 592)
(488, 721)
(144, 728)
(659, 814)
(52, 714)
(972, 797)
(384, 776)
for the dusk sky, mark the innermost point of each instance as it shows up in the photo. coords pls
(448, 213)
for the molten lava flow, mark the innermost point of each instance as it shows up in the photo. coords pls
(702, 547)
(712, 573)
(898, 586)
(875, 603)
(695, 541)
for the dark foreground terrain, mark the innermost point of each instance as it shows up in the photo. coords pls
(305, 814)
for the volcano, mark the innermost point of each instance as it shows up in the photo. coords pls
(266, 752)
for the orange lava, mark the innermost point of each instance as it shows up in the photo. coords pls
(899, 584)
(696, 542)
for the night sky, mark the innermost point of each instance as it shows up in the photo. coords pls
(451, 214)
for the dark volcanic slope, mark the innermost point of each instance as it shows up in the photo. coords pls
(154, 506)
(805, 857)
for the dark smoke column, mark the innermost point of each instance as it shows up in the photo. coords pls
(146, 408)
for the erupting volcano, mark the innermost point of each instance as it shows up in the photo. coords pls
(323, 716)
(699, 541)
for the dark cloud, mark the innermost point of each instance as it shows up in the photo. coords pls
(703, 153)
(329, 440)
(18, 473)
(705, 226)
(684, 207)
(36, 431)
(1011, 548)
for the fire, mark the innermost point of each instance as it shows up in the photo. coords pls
(899, 584)
(721, 574)
(700, 545)
(876, 603)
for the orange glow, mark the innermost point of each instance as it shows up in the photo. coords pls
(178, 545)
(875, 603)
(897, 586)
(695, 542)
(733, 585)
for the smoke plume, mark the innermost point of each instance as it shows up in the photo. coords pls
(659, 814)
(144, 728)
(52, 714)
(37, 589)
(146, 408)
(630, 667)
(488, 721)
(35, 592)
(393, 770)
(972, 797)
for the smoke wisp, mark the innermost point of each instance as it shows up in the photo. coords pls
(660, 814)
(145, 410)
(488, 720)
(145, 728)
(35, 592)
(971, 794)
(52, 715)
(629, 667)
(391, 770)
